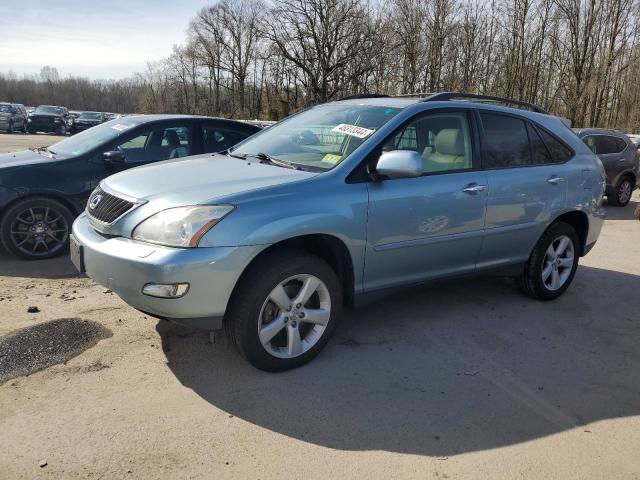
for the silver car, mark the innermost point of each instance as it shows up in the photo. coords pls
(340, 204)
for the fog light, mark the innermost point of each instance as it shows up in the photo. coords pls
(165, 290)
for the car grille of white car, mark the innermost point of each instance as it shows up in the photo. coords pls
(106, 208)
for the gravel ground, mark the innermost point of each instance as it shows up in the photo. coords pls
(463, 379)
(34, 348)
(21, 141)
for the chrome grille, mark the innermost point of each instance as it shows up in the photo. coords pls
(106, 208)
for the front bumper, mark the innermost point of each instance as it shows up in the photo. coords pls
(125, 266)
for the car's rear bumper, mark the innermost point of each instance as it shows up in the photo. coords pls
(125, 266)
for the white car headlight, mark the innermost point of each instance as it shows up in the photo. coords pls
(180, 226)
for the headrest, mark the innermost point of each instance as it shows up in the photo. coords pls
(450, 142)
(172, 138)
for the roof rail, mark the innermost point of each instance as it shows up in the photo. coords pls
(364, 95)
(448, 96)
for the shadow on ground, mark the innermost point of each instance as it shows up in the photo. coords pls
(443, 370)
(53, 268)
(628, 212)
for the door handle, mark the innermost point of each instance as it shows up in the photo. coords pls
(556, 180)
(474, 188)
(622, 160)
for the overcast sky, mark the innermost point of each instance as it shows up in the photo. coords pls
(91, 38)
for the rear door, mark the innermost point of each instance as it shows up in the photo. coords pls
(429, 226)
(527, 186)
(611, 149)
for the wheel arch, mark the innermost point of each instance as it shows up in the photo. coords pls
(580, 222)
(326, 246)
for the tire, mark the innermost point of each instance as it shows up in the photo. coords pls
(24, 127)
(36, 228)
(10, 130)
(621, 194)
(62, 130)
(251, 305)
(540, 285)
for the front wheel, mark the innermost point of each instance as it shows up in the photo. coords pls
(10, 127)
(284, 310)
(36, 228)
(62, 130)
(552, 264)
(621, 194)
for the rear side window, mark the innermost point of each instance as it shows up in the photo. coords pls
(217, 139)
(506, 141)
(606, 144)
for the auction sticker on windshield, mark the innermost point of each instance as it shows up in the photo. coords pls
(120, 127)
(352, 130)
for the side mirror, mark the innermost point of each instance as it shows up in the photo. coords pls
(400, 164)
(115, 156)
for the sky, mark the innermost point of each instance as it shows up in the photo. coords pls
(98, 39)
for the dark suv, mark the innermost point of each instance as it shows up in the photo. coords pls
(621, 159)
(13, 117)
(48, 118)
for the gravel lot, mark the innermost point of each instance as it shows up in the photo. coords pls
(468, 379)
(12, 143)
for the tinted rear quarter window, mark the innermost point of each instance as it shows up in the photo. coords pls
(559, 152)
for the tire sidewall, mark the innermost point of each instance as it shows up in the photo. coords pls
(260, 288)
(15, 209)
(550, 235)
(619, 187)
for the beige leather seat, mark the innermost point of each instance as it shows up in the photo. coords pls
(448, 153)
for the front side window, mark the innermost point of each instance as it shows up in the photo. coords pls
(159, 143)
(443, 140)
(319, 138)
(506, 141)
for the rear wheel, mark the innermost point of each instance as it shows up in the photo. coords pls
(552, 264)
(284, 310)
(36, 228)
(10, 127)
(621, 194)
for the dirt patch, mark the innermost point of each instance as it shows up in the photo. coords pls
(35, 348)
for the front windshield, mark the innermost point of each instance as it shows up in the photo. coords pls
(319, 138)
(50, 110)
(87, 140)
(90, 116)
(5, 108)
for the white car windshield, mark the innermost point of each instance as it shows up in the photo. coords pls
(319, 138)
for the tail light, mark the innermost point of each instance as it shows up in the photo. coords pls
(638, 153)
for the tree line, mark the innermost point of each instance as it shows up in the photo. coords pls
(267, 58)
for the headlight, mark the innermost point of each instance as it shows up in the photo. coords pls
(29, 119)
(56, 119)
(180, 226)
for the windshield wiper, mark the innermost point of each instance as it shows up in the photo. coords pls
(264, 158)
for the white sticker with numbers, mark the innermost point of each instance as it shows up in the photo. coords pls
(352, 130)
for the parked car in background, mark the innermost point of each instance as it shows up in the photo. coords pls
(42, 190)
(48, 119)
(621, 160)
(30, 110)
(635, 139)
(13, 117)
(339, 203)
(112, 116)
(87, 120)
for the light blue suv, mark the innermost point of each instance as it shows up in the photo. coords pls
(341, 203)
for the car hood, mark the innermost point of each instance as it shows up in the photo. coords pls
(199, 180)
(23, 158)
(45, 115)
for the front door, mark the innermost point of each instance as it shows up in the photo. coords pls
(429, 226)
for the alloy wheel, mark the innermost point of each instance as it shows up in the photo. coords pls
(558, 263)
(624, 192)
(294, 316)
(39, 231)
